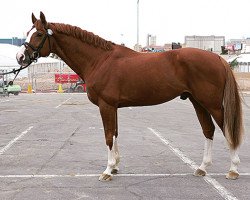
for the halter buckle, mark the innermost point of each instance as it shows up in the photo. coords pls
(50, 32)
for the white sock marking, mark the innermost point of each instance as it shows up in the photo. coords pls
(113, 158)
(235, 160)
(207, 156)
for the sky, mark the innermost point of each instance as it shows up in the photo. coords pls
(116, 20)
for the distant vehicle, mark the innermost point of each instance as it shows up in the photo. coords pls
(79, 87)
(77, 84)
(9, 88)
(13, 89)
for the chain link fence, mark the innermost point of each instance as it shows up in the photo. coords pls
(41, 77)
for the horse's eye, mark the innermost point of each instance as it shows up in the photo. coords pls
(39, 34)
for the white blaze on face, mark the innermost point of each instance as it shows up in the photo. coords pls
(20, 53)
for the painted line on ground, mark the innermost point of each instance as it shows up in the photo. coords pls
(11, 143)
(63, 102)
(3, 101)
(97, 175)
(87, 175)
(223, 174)
(176, 151)
(218, 187)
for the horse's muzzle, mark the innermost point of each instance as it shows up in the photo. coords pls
(23, 58)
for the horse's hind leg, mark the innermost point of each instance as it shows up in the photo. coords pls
(116, 150)
(109, 118)
(208, 130)
(235, 160)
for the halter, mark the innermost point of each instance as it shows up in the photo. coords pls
(34, 57)
(36, 51)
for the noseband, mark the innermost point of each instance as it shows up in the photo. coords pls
(36, 51)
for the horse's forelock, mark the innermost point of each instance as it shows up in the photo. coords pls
(38, 25)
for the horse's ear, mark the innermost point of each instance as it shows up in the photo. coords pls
(43, 19)
(33, 18)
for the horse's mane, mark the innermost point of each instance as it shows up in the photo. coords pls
(83, 35)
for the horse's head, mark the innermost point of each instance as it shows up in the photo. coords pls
(38, 42)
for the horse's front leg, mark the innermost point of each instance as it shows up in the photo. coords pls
(109, 119)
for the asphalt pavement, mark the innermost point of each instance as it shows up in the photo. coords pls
(52, 146)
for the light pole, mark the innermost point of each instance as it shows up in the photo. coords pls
(137, 44)
(122, 43)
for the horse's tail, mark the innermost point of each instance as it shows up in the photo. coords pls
(233, 125)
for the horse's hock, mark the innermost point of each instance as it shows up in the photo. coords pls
(243, 80)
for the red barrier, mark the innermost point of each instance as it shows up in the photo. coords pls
(66, 78)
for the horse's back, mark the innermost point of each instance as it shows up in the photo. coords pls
(148, 79)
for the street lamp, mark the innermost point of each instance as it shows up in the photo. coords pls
(137, 44)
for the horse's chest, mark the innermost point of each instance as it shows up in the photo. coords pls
(92, 96)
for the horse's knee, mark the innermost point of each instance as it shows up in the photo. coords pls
(209, 133)
(109, 140)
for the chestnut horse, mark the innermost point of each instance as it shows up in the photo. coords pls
(117, 77)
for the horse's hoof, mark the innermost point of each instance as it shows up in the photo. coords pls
(199, 172)
(232, 175)
(105, 177)
(114, 171)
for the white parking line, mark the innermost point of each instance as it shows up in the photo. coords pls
(4, 149)
(219, 188)
(97, 175)
(63, 102)
(2, 101)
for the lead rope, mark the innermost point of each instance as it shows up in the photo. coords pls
(14, 71)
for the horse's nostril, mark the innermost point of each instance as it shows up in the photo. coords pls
(21, 57)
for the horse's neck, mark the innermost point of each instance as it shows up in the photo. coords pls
(79, 56)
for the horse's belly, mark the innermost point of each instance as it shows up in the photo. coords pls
(148, 97)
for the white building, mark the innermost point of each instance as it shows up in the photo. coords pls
(210, 43)
(151, 40)
(243, 61)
